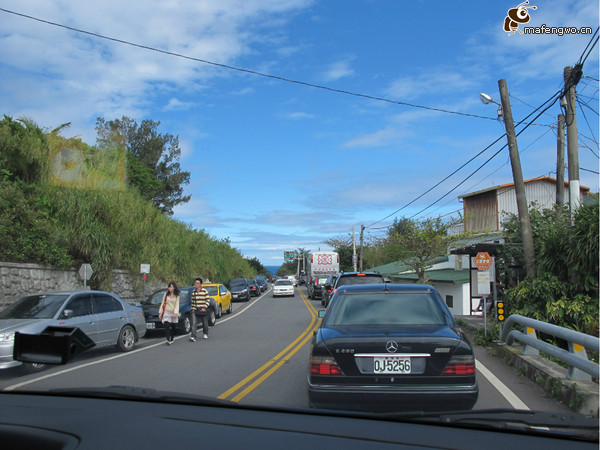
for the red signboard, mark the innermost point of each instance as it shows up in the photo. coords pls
(483, 260)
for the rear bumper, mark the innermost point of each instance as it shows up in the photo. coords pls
(393, 398)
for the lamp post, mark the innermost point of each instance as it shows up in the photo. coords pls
(526, 233)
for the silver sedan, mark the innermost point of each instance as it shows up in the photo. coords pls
(103, 317)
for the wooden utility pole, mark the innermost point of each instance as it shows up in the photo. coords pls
(526, 234)
(560, 161)
(572, 152)
(362, 231)
(353, 249)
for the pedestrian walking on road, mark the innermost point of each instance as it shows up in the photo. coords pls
(168, 312)
(200, 305)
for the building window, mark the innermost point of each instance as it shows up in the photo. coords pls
(449, 301)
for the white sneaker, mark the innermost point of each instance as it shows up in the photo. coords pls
(193, 339)
(206, 336)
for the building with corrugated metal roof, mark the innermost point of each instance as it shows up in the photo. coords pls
(488, 209)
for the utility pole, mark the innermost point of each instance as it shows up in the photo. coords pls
(526, 234)
(362, 230)
(353, 249)
(571, 79)
(560, 161)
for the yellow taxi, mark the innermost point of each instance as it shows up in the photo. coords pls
(222, 297)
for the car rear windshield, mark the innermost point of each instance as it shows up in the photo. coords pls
(238, 283)
(212, 290)
(393, 308)
(366, 279)
(34, 307)
(283, 283)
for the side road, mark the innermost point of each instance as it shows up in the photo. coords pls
(579, 396)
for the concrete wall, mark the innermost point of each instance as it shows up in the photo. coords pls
(18, 280)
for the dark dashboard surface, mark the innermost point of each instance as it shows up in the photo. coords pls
(51, 421)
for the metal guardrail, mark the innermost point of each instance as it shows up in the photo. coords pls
(580, 367)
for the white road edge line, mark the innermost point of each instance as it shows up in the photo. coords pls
(501, 387)
(121, 355)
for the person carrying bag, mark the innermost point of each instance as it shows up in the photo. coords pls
(199, 306)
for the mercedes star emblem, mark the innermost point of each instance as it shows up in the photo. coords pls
(391, 346)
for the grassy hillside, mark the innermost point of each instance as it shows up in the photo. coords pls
(110, 229)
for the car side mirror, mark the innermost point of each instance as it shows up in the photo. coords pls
(321, 313)
(68, 313)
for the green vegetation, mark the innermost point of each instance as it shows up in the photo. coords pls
(108, 228)
(153, 167)
(565, 289)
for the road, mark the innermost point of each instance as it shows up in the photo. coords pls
(256, 355)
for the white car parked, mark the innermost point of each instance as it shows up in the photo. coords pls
(283, 287)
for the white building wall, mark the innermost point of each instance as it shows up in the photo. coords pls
(460, 297)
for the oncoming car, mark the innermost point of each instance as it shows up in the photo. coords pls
(283, 287)
(103, 317)
(390, 347)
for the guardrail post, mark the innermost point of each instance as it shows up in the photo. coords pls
(528, 349)
(574, 373)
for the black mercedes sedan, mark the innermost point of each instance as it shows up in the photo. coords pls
(390, 347)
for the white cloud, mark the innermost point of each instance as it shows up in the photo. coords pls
(337, 70)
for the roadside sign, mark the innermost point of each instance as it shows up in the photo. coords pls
(85, 272)
(144, 268)
(289, 255)
(483, 283)
(483, 260)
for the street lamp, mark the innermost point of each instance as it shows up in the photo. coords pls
(486, 100)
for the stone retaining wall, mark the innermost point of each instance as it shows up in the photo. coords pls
(17, 280)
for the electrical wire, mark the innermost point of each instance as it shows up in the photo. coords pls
(588, 170)
(252, 72)
(556, 97)
(586, 121)
(553, 98)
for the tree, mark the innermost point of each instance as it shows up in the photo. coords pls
(257, 266)
(152, 159)
(419, 242)
(23, 149)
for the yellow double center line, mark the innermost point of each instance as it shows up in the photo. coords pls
(253, 380)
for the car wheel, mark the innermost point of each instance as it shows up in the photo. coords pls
(219, 311)
(29, 368)
(127, 339)
(186, 325)
(212, 319)
(230, 309)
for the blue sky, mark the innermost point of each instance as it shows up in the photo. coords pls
(278, 165)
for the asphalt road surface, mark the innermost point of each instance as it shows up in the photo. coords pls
(257, 355)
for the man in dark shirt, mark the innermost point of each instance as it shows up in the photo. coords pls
(199, 306)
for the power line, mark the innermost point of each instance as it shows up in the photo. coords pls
(588, 170)
(582, 59)
(555, 97)
(440, 182)
(252, 72)
(586, 121)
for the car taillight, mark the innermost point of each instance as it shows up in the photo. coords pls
(460, 365)
(324, 365)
